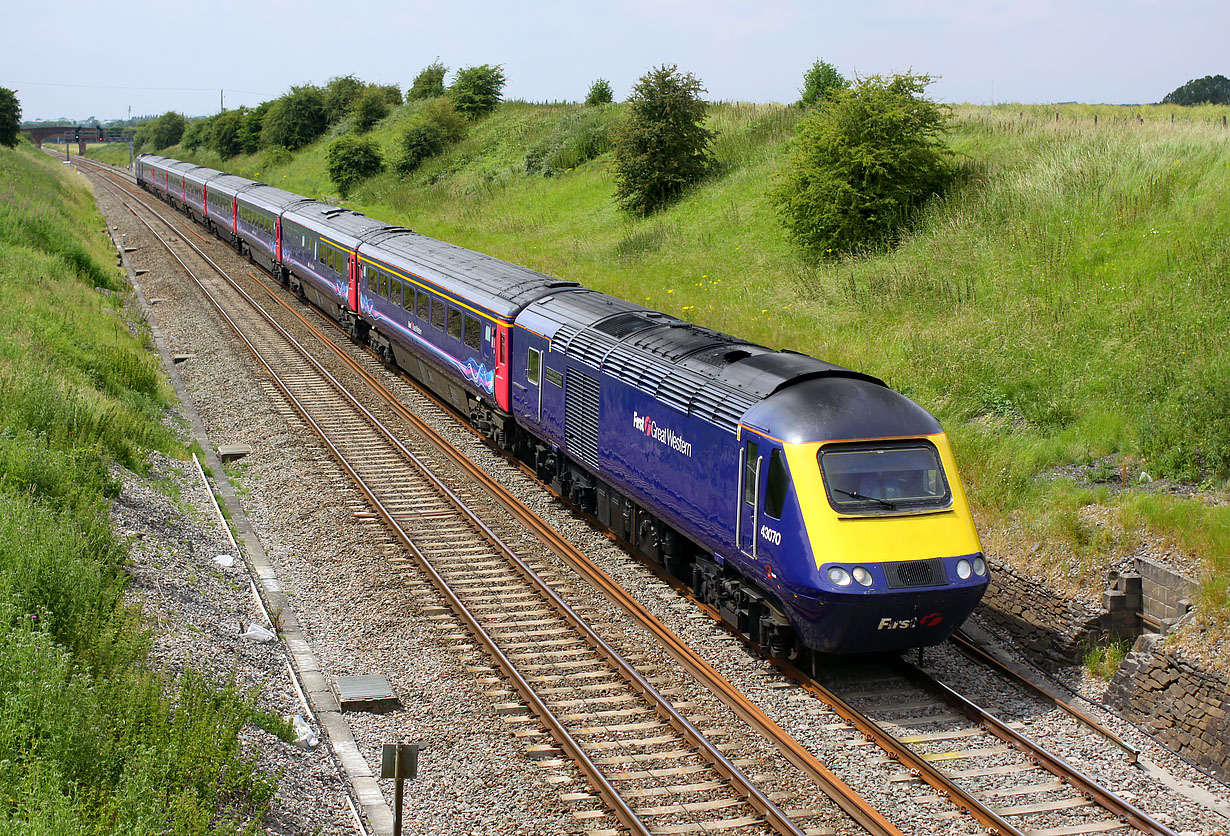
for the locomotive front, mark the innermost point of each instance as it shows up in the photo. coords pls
(871, 544)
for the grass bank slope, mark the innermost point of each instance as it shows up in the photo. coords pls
(91, 739)
(1063, 310)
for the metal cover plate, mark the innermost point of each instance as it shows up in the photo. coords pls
(363, 689)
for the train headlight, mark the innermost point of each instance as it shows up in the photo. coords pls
(862, 576)
(980, 566)
(839, 576)
(964, 569)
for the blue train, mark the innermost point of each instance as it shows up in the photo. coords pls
(813, 507)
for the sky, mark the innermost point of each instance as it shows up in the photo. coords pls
(76, 60)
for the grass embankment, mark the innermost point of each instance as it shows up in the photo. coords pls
(1063, 310)
(92, 740)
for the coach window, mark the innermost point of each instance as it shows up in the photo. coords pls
(408, 294)
(454, 323)
(437, 313)
(749, 474)
(775, 489)
(533, 366)
(423, 305)
(395, 287)
(382, 285)
(474, 333)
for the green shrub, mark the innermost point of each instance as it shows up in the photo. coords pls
(600, 93)
(578, 137)
(421, 141)
(428, 84)
(295, 119)
(10, 117)
(370, 108)
(1212, 89)
(341, 93)
(166, 130)
(198, 134)
(226, 135)
(352, 160)
(476, 90)
(862, 164)
(442, 113)
(663, 146)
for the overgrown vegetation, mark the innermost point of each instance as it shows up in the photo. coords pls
(92, 739)
(600, 93)
(476, 91)
(10, 118)
(819, 82)
(663, 146)
(578, 137)
(862, 164)
(429, 83)
(352, 160)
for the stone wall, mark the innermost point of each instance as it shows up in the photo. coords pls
(1054, 631)
(1183, 705)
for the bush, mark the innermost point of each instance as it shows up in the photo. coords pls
(341, 93)
(391, 93)
(600, 93)
(819, 82)
(166, 130)
(10, 117)
(476, 90)
(370, 108)
(860, 165)
(295, 119)
(226, 137)
(442, 113)
(198, 133)
(421, 141)
(662, 147)
(352, 160)
(428, 84)
(1212, 89)
(577, 137)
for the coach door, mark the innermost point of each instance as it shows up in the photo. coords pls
(748, 520)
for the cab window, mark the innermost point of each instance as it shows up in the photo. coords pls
(879, 478)
(778, 482)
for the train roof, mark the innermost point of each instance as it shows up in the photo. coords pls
(229, 184)
(345, 226)
(499, 286)
(696, 370)
(200, 173)
(271, 197)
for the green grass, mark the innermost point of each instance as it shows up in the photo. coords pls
(1062, 305)
(92, 738)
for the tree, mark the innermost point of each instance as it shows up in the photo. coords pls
(198, 133)
(351, 160)
(295, 119)
(599, 93)
(226, 137)
(341, 93)
(662, 147)
(476, 90)
(862, 163)
(167, 130)
(250, 133)
(392, 93)
(818, 82)
(10, 118)
(370, 108)
(1212, 89)
(429, 83)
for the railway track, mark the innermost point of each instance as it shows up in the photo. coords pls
(650, 764)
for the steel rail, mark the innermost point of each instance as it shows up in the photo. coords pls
(795, 753)
(980, 654)
(1081, 782)
(739, 782)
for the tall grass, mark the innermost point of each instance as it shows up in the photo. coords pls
(92, 738)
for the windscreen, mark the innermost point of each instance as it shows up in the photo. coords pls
(882, 478)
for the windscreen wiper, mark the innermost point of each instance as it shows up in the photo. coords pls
(856, 495)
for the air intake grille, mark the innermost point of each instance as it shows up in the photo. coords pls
(582, 399)
(911, 573)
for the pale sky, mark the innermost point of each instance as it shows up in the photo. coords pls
(72, 59)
